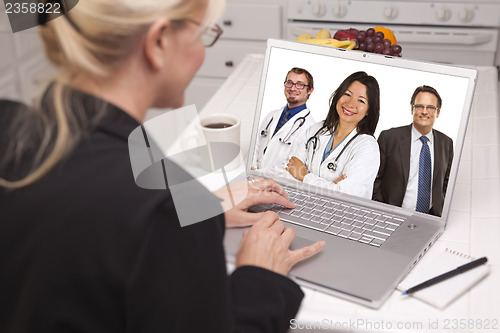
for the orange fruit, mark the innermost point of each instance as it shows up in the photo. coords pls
(387, 34)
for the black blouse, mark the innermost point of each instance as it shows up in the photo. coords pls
(85, 249)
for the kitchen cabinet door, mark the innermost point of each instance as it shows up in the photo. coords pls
(222, 59)
(251, 21)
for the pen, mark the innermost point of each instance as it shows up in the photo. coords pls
(447, 275)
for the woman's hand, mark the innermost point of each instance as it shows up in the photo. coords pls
(267, 245)
(248, 194)
(296, 168)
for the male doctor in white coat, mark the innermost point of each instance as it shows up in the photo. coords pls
(281, 127)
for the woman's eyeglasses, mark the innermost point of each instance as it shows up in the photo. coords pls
(210, 35)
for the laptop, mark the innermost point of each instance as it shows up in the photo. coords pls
(353, 268)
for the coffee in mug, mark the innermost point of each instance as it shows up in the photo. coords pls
(218, 125)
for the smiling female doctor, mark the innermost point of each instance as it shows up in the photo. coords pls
(340, 152)
(280, 128)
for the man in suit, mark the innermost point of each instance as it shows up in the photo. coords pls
(415, 160)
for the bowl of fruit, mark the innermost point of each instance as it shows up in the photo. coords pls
(379, 40)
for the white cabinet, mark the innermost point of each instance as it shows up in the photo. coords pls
(247, 25)
(23, 65)
(252, 21)
(225, 55)
(7, 51)
(34, 73)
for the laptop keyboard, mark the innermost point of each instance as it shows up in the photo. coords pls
(337, 218)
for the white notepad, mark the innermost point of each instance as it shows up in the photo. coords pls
(443, 293)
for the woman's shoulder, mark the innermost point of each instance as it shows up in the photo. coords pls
(315, 127)
(9, 108)
(8, 104)
(366, 139)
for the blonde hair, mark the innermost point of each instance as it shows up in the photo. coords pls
(90, 41)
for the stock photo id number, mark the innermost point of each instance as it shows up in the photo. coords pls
(28, 14)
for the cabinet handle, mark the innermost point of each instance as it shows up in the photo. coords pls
(227, 23)
(229, 63)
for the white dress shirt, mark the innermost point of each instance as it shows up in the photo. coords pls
(410, 199)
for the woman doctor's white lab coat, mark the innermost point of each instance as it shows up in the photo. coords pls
(277, 153)
(359, 162)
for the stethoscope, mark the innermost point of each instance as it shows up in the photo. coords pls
(286, 139)
(332, 166)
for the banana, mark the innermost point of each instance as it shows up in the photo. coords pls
(323, 34)
(304, 37)
(345, 44)
(323, 37)
(354, 43)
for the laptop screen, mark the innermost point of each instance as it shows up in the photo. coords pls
(398, 79)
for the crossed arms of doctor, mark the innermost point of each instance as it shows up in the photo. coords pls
(298, 170)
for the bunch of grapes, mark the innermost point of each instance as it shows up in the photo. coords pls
(372, 41)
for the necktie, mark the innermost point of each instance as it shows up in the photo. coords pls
(424, 177)
(283, 120)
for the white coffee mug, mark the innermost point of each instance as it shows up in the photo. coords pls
(222, 135)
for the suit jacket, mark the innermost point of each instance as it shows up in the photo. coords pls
(392, 178)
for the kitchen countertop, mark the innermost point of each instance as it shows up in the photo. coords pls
(473, 228)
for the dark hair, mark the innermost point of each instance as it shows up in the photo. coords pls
(369, 123)
(427, 89)
(297, 70)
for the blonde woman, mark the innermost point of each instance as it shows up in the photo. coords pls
(86, 250)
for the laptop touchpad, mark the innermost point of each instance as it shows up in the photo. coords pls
(300, 242)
